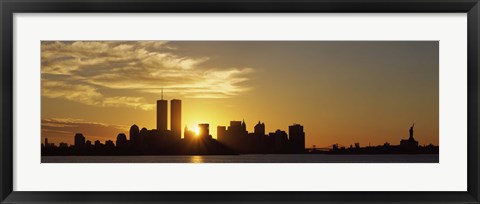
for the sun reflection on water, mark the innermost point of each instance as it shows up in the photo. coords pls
(196, 159)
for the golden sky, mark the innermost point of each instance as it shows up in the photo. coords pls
(341, 92)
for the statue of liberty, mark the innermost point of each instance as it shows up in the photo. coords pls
(411, 132)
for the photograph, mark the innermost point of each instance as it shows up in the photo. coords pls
(155, 101)
(260, 102)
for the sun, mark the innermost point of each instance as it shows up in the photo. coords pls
(197, 131)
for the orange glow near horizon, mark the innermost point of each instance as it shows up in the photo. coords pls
(197, 131)
(341, 92)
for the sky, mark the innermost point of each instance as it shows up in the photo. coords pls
(340, 91)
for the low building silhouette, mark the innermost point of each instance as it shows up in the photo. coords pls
(121, 141)
(63, 145)
(88, 144)
(109, 144)
(188, 134)
(98, 144)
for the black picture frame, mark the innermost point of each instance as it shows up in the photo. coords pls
(10, 7)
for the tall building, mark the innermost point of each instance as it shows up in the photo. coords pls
(221, 133)
(235, 125)
(176, 118)
(204, 130)
(143, 133)
(280, 141)
(237, 136)
(296, 138)
(259, 129)
(135, 135)
(162, 108)
(238, 127)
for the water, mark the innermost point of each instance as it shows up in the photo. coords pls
(292, 158)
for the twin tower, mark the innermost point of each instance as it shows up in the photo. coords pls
(175, 117)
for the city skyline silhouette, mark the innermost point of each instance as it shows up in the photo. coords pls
(231, 140)
(340, 92)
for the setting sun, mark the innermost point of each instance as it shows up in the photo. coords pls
(197, 131)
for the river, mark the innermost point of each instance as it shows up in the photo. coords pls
(271, 158)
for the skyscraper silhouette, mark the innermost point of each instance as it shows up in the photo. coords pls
(221, 133)
(176, 118)
(135, 135)
(297, 138)
(280, 140)
(259, 129)
(162, 108)
(204, 131)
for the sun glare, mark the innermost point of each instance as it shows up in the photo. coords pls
(197, 131)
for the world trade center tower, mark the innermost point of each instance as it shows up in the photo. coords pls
(176, 118)
(162, 114)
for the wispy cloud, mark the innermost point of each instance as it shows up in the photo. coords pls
(90, 95)
(90, 72)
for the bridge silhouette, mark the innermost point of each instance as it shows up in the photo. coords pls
(325, 148)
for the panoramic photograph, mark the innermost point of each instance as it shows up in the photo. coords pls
(239, 102)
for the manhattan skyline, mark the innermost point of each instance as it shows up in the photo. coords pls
(343, 92)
